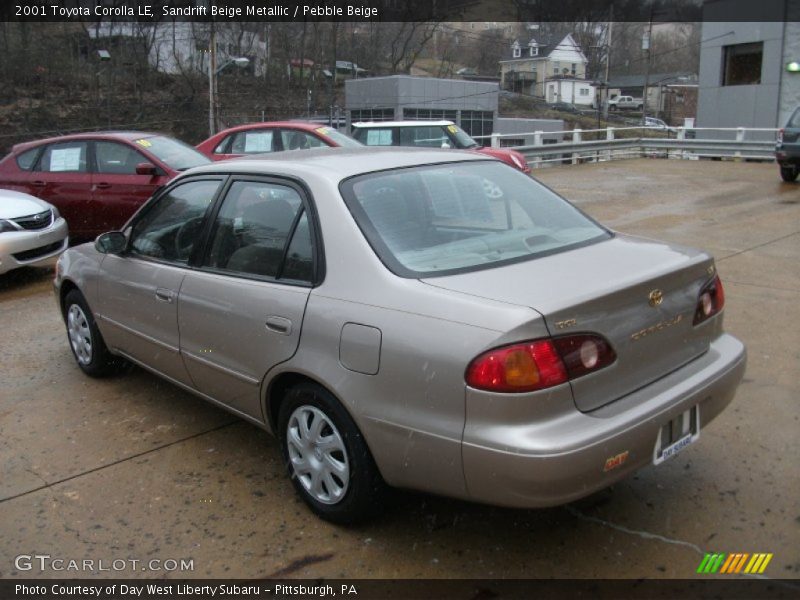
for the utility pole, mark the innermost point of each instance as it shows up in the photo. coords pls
(212, 83)
(646, 47)
(608, 58)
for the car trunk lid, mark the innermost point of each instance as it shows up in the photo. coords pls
(610, 288)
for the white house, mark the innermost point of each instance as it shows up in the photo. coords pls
(527, 68)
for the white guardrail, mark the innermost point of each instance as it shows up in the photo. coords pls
(676, 143)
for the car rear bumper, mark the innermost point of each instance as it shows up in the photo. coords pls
(32, 248)
(567, 457)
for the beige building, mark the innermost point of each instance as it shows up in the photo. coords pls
(528, 67)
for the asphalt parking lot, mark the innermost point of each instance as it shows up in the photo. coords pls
(134, 468)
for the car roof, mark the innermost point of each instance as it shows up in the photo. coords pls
(401, 123)
(88, 135)
(336, 164)
(302, 125)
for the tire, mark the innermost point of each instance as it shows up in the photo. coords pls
(84, 337)
(789, 173)
(336, 477)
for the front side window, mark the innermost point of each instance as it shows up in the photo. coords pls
(170, 228)
(65, 157)
(257, 226)
(300, 140)
(118, 159)
(794, 120)
(425, 136)
(175, 154)
(442, 219)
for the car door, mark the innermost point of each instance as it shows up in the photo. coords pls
(117, 190)
(61, 177)
(138, 290)
(240, 313)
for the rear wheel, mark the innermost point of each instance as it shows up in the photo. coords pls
(85, 341)
(326, 456)
(789, 173)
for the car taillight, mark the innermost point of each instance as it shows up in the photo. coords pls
(780, 136)
(538, 364)
(710, 302)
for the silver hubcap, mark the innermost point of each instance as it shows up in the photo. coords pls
(317, 454)
(79, 334)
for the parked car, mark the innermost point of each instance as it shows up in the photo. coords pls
(431, 134)
(275, 136)
(787, 150)
(96, 180)
(565, 107)
(625, 103)
(32, 233)
(425, 319)
(655, 123)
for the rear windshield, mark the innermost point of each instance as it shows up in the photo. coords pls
(456, 217)
(176, 154)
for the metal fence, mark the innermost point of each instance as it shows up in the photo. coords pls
(675, 143)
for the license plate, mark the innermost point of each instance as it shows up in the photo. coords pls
(675, 435)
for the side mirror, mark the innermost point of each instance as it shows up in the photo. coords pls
(445, 145)
(113, 242)
(146, 168)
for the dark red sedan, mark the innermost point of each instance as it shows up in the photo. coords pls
(96, 180)
(272, 136)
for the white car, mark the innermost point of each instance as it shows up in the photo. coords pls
(32, 233)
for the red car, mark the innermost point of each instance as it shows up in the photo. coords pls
(431, 134)
(96, 180)
(273, 136)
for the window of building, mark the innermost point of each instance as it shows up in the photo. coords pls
(511, 142)
(534, 51)
(478, 123)
(365, 115)
(429, 114)
(583, 92)
(556, 67)
(574, 69)
(517, 50)
(741, 64)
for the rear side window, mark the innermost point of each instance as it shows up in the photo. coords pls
(26, 159)
(262, 230)
(376, 136)
(66, 157)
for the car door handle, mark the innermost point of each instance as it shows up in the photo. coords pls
(39, 183)
(164, 294)
(102, 185)
(279, 325)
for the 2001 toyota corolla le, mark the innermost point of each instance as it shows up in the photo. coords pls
(429, 319)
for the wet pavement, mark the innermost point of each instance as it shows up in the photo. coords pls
(134, 468)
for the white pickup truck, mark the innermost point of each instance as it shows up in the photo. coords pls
(625, 102)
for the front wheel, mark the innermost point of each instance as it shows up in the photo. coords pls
(789, 173)
(326, 456)
(85, 341)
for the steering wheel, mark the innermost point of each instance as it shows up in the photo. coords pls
(185, 238)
